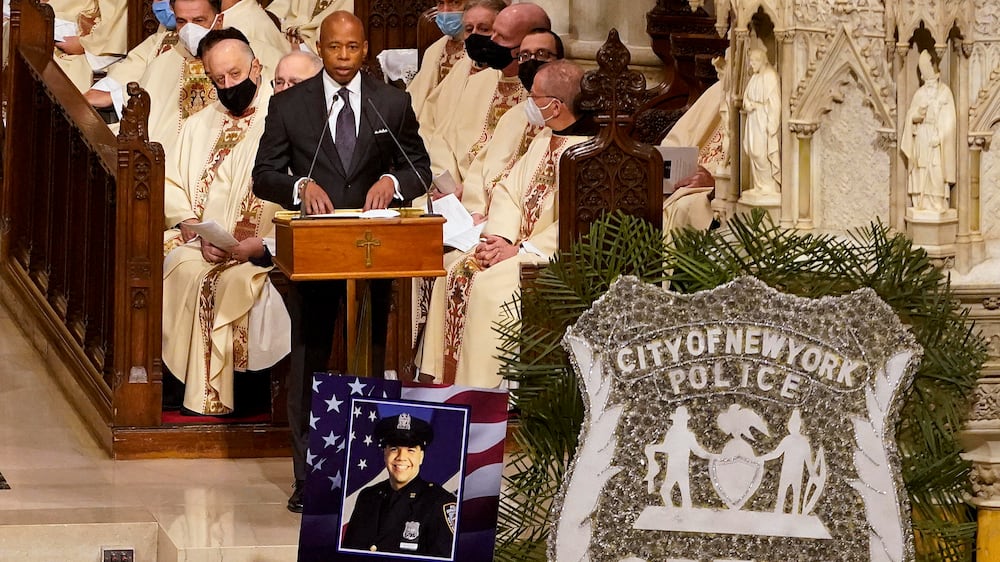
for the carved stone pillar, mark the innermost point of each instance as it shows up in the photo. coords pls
(981, 438)
(970, 248)
(905, 86)
(738, 160)
(890, 140)
(960, 83)
(786, 56)
(802, 198)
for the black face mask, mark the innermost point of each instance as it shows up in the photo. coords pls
(237, 98)
(484, 50)
(526, 72)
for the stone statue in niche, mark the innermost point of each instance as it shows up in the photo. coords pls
(762, 104)
(928, 141)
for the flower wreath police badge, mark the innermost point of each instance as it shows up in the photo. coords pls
(738, 424)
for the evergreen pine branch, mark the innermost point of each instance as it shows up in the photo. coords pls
(935, 476)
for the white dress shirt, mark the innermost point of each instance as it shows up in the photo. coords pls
(331, 93)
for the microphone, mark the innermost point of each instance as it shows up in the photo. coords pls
(427, 190)
(326, 125)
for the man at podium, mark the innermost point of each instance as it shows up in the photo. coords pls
(324, 147)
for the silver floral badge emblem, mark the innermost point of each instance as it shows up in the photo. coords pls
(739, 424)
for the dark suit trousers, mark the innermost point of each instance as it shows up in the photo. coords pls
(313, 307)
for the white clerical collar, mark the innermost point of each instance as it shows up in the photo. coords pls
(331, 86)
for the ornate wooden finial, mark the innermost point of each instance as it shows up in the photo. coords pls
(613, 91)
(135, 117)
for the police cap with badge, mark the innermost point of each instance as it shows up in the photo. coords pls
(403, 430)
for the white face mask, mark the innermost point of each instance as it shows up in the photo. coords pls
(534, 112)
(192, 34)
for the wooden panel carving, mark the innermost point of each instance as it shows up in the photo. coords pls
(390, 24)
(612, 171)
(141, 21)
(686, 41)
(138, 265)
(83, 244)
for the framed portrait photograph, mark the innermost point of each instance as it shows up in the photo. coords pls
(403, 479)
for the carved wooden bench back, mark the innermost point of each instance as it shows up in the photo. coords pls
(686, 41)
(83, 219)
(611, 171)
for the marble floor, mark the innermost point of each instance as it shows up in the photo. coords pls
(66, 499)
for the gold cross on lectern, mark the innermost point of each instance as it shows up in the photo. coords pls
(368, 242)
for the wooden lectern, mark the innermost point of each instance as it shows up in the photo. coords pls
(353, 248)
(313, 249)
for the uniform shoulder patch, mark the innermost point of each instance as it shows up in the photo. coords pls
(451, 515)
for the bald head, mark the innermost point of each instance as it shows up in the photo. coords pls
(559, 79)
(340, 19)
(342, 45)
(295, 67)
(514, 22)
(228, 62)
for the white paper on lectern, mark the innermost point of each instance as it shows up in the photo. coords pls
(214, 234)
(380, 214)
(358, 214)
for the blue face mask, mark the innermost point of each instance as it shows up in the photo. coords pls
(450, 23)
(164, 14)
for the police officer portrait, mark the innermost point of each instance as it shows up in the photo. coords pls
(412, 507)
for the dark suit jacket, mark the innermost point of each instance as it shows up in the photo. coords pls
(295, 121)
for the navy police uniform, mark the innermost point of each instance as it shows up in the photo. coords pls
(419, 518)
(416, 519)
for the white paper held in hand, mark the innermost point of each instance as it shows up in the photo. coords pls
(214, 234)
(679, 162)
(459, 231)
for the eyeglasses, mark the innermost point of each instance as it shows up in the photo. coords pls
(279, 83)
(542, 96)
(541, 55)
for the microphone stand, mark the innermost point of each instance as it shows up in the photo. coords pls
(427, 190)
(326, 125)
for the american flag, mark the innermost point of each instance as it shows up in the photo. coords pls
(338, 399)
(483, 463)
(326, 457)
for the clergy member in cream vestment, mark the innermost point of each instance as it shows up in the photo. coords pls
(220, 313)
(700, 126)
(488, 94)
(165, 64)
(513, 132)
(101, 37)
(300, 19)
(441, 55)
(459, 343)
(439, 89)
